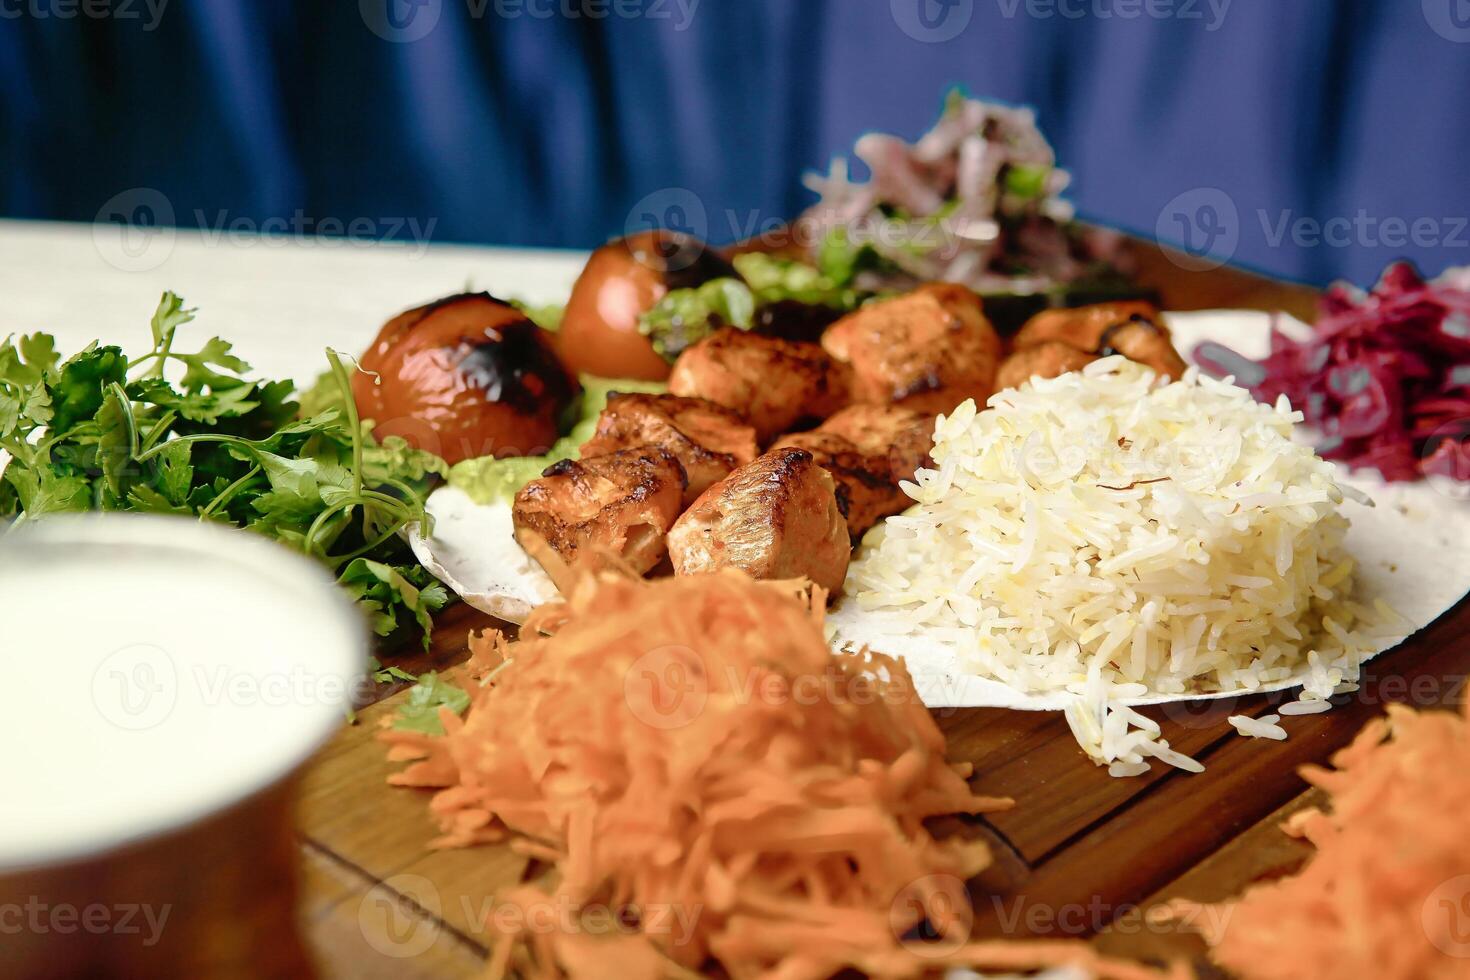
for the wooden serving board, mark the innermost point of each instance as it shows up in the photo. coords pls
(1081, 854)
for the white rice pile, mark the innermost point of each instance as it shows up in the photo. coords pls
(1104, 534)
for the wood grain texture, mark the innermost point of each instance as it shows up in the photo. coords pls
(362, 929)
(1260, 853)
(350, 814)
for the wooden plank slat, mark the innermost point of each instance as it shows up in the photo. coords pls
(1260, 853)
(360, 929)
(1060, 792)
(350, 812)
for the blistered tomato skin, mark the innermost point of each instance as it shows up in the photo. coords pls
(622, 280)
(466, 376)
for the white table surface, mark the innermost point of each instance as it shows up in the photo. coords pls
(280, 301)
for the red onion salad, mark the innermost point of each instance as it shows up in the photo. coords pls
(976, 200)
(1384, 376)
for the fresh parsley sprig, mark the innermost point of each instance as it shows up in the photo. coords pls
(98, 431)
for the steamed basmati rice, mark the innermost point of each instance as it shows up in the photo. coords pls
(1262, 727)
(1109, 535)
(1306, 706)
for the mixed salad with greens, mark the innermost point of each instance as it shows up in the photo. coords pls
(190, 434)
(976, 200)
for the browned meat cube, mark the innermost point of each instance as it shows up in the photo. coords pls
(1134, 329)
(622, 504)
(1048, 359)
(775, 518)
(866, 489)
(709, 441)
(1146, 342)
(927, 350)
(905, 435)
(1081, 326)
(868, 449)
(775, 385)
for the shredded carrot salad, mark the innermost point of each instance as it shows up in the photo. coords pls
(1387, 892)
(689, 751)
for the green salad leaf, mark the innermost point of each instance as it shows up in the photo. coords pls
(842, 259)
(547, 316)
(773, 280)
(420, 711)
(685, 316)
(388, 674)
(1026, 182)
(489, 480)
(101, 432)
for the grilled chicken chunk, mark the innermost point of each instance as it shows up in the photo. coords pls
(928, 350)
(904, 434)
(1081, 326)
(1145, 341)
(775, 385)
(866, 489)
(776, 518)
(709, 441)
(1134, 329)
(868, 449)
(1048, 359)
(623, 503)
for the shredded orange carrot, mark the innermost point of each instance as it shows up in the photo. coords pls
(1387, 892)
(690, 753)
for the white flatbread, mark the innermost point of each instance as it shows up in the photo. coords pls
(1407, 548)
(473, 550)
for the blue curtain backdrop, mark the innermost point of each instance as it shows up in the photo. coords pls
(543, 122)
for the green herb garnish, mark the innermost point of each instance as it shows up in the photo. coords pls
(389, 674)
(420, 710)
(101, 432)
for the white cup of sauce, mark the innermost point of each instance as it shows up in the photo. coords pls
(165, 680)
